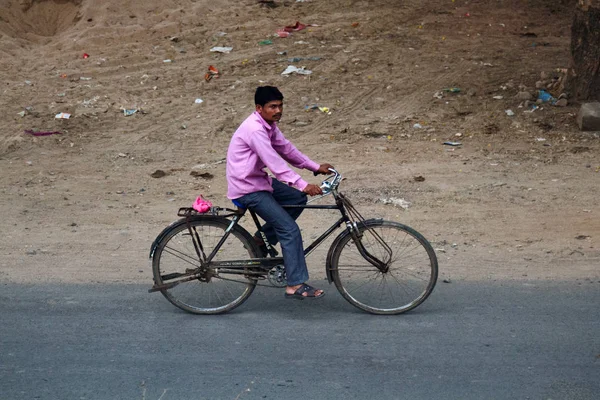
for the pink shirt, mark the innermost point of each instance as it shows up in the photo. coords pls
(256, 145)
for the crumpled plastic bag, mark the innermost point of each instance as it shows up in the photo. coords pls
(202, 205)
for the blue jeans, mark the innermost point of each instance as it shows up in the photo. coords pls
(281, 226)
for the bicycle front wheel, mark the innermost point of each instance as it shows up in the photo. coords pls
(410, 276)
(175, 259)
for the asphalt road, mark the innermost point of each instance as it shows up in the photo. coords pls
(497, 340)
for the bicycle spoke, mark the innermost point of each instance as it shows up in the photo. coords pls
(208, 294)
(410, 274)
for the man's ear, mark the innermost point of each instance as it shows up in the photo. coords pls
(258, 108)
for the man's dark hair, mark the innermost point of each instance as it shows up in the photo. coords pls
(265, 94)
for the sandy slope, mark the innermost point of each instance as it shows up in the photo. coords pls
(82, 206)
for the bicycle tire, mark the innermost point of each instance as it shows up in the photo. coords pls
(410, 279)
(175, 254)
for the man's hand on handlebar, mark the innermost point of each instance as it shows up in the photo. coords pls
(324, 169)
(312, 190)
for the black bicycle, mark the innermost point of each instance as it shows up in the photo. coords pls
(209, 264)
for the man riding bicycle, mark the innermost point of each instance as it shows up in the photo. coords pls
(258, 144)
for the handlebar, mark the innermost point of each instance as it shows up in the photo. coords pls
(330, 183)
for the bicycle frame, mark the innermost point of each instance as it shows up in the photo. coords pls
(239, 266)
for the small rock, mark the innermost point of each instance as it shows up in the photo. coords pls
(73, 224)
(447, 280)
(417, 126)
(588, 117)
(419, 179)
(205, 175)
(523, 96)
(159, 173)
(31, 252)
(561, 103)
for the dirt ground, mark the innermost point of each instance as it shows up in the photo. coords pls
(517, 200)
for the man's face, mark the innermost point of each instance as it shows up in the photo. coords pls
(272, 111)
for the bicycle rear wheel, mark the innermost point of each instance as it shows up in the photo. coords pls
(175, 259)
(409, 280)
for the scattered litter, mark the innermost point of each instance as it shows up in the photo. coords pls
(417, 126)
(510, 113)
(546, 97)
(317, 107)
(282, 33)
(221, 49)
(265, 42)
(83, 78)
(452, 90)
(198, 101)
(533, 108)
(168, 60)
(438, 95)
(301, 42)
(291, 69)
(61, 94)
(540, 139)
(453, 143)
(86, 55)
(396, 202)
(221, 34)
(129, 112)
(298, 26)
(355, 24)
(298, 59)
(22, 113)
(282, 53)
(498, 97)
(62, 116)
(458, 134)
(212, 73)
(30, 132)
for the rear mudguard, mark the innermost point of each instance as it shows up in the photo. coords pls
(339, 238)
(184, 221)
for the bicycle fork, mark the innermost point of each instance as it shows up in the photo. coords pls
(357, 236)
